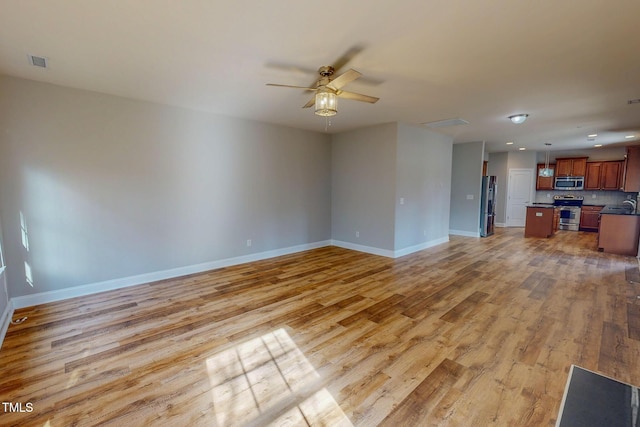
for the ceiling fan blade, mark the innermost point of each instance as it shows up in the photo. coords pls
(343, 79)
(347, 57)
(357, 96)
(311, 103)
(294, 87)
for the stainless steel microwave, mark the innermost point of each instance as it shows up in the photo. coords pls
(569, 183)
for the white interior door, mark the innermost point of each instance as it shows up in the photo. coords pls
(519, 194)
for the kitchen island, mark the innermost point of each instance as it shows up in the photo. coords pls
(539, 220)
(619, 230)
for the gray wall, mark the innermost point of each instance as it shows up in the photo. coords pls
(424, 183)
(522, 160)
(4, 297)
(363, 186)
(373, 169)
(466, 180)
(112, 187)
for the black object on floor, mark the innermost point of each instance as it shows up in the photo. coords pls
(594, 400)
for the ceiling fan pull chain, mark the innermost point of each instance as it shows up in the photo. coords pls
(327, 123)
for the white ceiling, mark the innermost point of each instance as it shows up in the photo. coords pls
(571, 64)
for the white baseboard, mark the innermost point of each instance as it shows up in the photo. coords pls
(500, 224)
(421, 246)
(464, 233)
(389, 253)
(5, 320)
(108, 285)
(362, 248)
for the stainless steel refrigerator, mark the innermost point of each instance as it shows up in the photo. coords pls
(488, 205)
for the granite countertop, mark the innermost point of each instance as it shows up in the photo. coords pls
(618, 209)
(623, 209)
(540, 205)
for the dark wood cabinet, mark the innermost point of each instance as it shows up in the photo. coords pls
(631, 180)
(603, 175)
(619, 234)
(590, 218)
(571, 166)
(612, 175)
(539, 222)
(592, 177)
(545, 182)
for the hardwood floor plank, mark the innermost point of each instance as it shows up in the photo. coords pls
(532, 345)
(464, 307)
(633, 319)
(542, 288)
(614, 350)
(415, 407)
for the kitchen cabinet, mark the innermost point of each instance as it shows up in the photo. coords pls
(545, 182)
(631, 180)
(539, 221)
(571, 166)
(619, 234)
(590, 218)
(604, 175)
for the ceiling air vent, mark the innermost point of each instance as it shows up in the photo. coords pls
(633, 101)
(445, 123)
(38, 61)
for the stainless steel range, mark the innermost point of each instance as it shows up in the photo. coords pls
(570, 207)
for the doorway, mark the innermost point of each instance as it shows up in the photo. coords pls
(519, 195)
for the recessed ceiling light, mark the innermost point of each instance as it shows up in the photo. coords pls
(630, 136)
(518, 118)
(598, 145)
(510, 143)
(593, 135)
(521, 148)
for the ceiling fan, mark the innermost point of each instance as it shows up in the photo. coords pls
(328, 89)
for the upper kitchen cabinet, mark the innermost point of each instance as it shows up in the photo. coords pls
(604, 175)
(631, 181)
(545, 182)
(571, 167)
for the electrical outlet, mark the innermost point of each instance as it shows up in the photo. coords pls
(593, 196)
(357, 234)
(469, 196)
(548, 195)
(248, 242)
(402, 200)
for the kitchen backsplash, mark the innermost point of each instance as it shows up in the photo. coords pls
(601, 197)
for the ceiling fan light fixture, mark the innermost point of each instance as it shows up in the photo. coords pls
(326, 103)
(518, 118)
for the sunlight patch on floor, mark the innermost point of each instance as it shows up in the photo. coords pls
(268, 381)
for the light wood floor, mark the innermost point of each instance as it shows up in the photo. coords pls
(474, 332)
